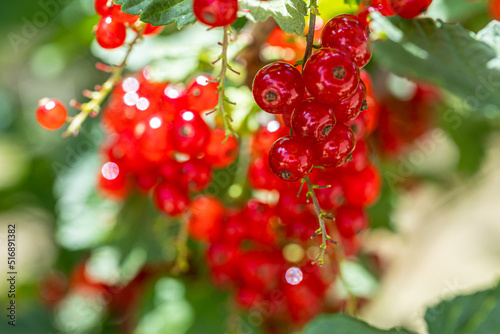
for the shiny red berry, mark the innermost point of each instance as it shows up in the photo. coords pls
(170, 198)
(51, 114)
(122, 17)
(312, 119)
(103, 7)
(291, 158)
(348, 34)
(335, 149)
(351, 107)
(494, 8)
(202, 94)
(221, 152)
(278, 88)
(215, 13)
(362, 188)
(350, 220)
(206, 215)
(151, 30)
(196, 174)
(409, 9)
(359, 158)
(153, 137)
(331, 76)
(109, 33)
(190, 133)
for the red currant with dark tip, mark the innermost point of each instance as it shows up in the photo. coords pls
(103, 7)
(348, 34)
(110, 34)
(350, 108)
(216, 13)
(409, 9)
(362, 188)
(221, 151)
(359, 158)
(336, 148)
(291, 158)
(350, 220)
(202, 93)
(358, 126)
(190, 133)
(122, 17)
(313, 119)
(170, 198)
(196, 174)
(51, 114)
(278, 88)
(206, 215)
(331, 76)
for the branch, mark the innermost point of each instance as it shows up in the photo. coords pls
(313, 11)
(98, 96)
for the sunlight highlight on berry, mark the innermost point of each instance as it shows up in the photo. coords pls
(110, 171)
(294, 276)
(273, 126)
(155, 122)
(130, 85)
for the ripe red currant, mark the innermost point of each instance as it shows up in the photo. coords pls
(190, 133)
(51, 114)
(278, 88)
(348, 34)
(331, 76)
(170, 198)
(221, 152)
(206, 215)
(291, 158)
(350, 220)
(196, 174)
(312, 119)
(153, 137)
(122, 17)
(151, 30)
(103, 7)
(360, 158)
(216, 13)
(202, 93)
(362, 188)
(350, 108)
(109, 33)
(494, 8)
(409, 9)
(335, 149)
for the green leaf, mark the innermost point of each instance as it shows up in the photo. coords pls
(289, 14)
(446, 55)
(342, 323)
(478, 313)
(160, 12)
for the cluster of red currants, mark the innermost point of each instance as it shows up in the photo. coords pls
(407, 9)
(160, 140)
(111, 31)
(318, 104)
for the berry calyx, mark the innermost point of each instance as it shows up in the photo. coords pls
(313, 120)
(409, 9)
(331, 76)
(278, 88)
(348, 34)
(51, 114)
(215, 13)
(335, 149)
(291, 158)
(110, 34)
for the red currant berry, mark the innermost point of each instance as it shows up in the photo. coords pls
(331, 76)
(122, 17)
(312, 119)
(348, 34)
(235, 228)
(260, 269)
(190, 133)
(117, 187)
(334, 150)
(109, 33)
(248, 297)
(151, 30)
(350, 220)
(265, 137)
(206, 214)
(291, 158)
(362, 188)
(196, 174)
(216, 13)
(170, 198)
(153, 136)
(260, 175)
(221, 151)
(146, 181)
(359, 158)
(494, 8)
(103, 7)
(169, 170)
(51, 114)
(409, 9)
(350, 108)
(358, 127)
(202, 93)
(278, 88)
(174, 98)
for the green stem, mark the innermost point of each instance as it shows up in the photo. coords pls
(310, 33)
(324, 235)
